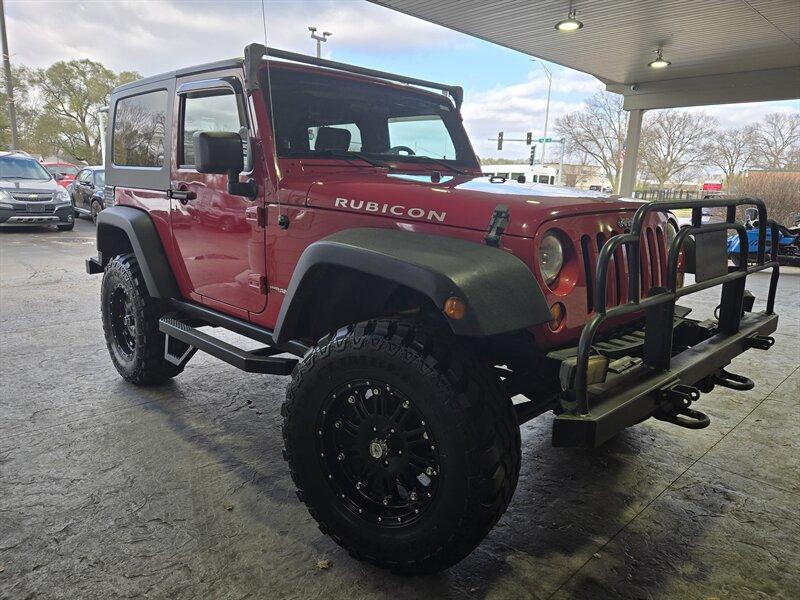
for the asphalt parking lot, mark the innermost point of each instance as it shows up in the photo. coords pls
(179, 491)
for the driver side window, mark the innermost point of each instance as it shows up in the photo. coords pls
(216, 110)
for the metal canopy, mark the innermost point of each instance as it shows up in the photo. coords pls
(722, 51)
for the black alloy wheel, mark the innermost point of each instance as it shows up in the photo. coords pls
(122, 320)
(377, 453)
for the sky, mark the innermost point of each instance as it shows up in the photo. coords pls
(504, 90)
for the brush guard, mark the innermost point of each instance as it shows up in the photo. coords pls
(660, 386)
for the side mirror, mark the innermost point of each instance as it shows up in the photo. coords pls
(58, 176)
(220, 152)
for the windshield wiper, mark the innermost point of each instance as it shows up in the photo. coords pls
(353, 154)
(438, 162)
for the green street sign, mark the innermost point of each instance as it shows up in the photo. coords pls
(540, 140)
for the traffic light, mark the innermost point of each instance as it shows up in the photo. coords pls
(529, 138)
(532, 161)
(500, 141)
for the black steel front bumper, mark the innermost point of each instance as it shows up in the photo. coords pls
(627, 399)
(672, 372)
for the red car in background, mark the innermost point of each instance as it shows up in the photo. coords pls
(64, 172)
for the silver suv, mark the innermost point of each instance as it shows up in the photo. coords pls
(29, 195)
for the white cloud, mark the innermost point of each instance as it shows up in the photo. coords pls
(518, 108)
(731, 116)
(153, 36)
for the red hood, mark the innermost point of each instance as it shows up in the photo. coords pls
(465, 201)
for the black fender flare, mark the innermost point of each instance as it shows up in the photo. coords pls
(500, 291)
(122, 229)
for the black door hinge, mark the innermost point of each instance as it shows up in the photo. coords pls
(497, 225)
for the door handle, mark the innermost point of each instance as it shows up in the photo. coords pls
(182, 196)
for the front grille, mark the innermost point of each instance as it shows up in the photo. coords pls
(41, 210)
(32, 196)
(652, 273)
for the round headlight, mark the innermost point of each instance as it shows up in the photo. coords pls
(62, 195)
(551, 257)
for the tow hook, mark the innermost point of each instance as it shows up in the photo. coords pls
(675, 402)
(760, 342)
(733, 381)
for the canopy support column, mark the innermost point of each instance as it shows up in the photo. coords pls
(628, 179)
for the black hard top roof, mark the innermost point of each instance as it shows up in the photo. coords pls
(254, 53)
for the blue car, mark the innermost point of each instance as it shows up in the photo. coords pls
(788, 244)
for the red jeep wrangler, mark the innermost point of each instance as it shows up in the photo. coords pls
(339, 214)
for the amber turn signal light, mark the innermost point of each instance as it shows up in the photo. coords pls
(455, 308)
(558, 313)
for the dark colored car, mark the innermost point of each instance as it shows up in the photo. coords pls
(88, 192)
(64, 172)
(30, 195)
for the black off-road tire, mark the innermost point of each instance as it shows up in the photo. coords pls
(143, 363)
(471, 419)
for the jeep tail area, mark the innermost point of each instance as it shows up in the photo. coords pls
(338, 216)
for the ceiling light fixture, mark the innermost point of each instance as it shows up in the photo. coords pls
(570, 23)
(659, 62)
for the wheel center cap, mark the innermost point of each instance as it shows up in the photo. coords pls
(378, 448)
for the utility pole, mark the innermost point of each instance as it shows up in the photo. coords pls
(547, 109)
(12, 111)
(319, 38)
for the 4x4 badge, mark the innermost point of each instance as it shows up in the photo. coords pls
(624, 222)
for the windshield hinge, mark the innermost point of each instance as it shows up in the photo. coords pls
(497, 225)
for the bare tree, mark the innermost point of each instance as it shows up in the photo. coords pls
(674, 143)
(580, 168)
(731, 151)
(776, 142)
(598, 131)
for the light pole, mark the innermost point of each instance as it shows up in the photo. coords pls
(320, 38)
(12, 113)
(547, 109)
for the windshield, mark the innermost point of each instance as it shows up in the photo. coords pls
(21, 167)
(100, 178)
(62, 169)
(325, 115)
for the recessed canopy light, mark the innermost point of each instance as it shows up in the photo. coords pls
(570, 23)
(659, 62)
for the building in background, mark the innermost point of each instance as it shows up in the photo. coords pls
(579, 176)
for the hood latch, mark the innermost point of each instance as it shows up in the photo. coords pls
(497, 225)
